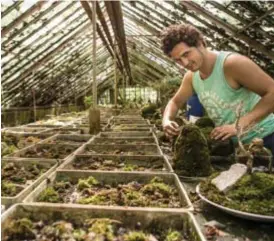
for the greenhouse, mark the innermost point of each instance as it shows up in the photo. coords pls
(137, 120)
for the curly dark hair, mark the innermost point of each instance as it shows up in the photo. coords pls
(175, 34)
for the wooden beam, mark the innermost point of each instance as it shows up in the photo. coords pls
(24, 15)
(89, 12)
(239, 18)
(106, 30)
(49, 55)
(29, 35)
(33, 21)
(116, 17)
(36, 56)
(227, 27)
(248, 26)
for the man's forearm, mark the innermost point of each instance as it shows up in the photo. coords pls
(262, 109)
(170, 111)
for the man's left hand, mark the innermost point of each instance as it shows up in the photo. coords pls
(223, 132)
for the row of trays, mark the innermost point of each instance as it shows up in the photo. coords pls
(120, 175)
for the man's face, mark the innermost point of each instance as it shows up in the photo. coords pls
(190, 58)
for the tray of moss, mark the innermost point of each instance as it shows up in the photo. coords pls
(124, 140)
(120, 126)
(48, 151)
(121, 122)
(134, 189)
(12, 142)
(67, 139)
(19, 177)
(46, 222)
(23, 129)
(69, 130)
(122, 149)
(128, 129)
(252, 197)
(44, 126)
(125, 134)
(116, 162)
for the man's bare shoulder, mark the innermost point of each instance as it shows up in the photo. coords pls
(235, 61)
(188, 76)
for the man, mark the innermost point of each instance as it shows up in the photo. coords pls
(222, 81)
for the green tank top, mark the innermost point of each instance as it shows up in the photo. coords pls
(220, 100)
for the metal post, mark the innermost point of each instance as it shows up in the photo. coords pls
(94, 92)
(124, 87)
(115, 78)
(34, 103)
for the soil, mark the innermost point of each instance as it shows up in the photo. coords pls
(65, 142)
(15, 177)
(118, 151)
(10, 143)
(90, 229)
(89, 191)
(52, 152)
(99, 163)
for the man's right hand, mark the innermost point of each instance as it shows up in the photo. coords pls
(171, 128)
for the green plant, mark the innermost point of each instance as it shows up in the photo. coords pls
(88, 101)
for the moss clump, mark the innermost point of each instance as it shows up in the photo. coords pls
(97, 199)
(86, 183)
(157, 185)
(192, 153)
(204, 122)
(130, 167)
(82, 184)
(92, 181)
(173, 236)
(20, 229)
(102, 227)
(62, 186)
(135, 199)
(79, 234)
(252, 193)
(216, 147)
(7, 149)
(10, 189)
(49, 195)
(149, 110)
(135, 236)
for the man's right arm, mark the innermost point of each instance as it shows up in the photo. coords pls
(182, 95)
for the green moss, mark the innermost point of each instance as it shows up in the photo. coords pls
(130, 167)
(18, 179)
(20, 229)
(191, 157)
(86, 183)
(135, 199)
(49, 195)
(62, 186)
(92, 181)
(252, 193)
(157, 185)
(9, 189)
(63, 227)
(135, 236)
(7, 149)
(95, 200)
(149, 110)
(82, 184)
(79, 234)
(204, 122)
(102, 226)
(173, 236)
